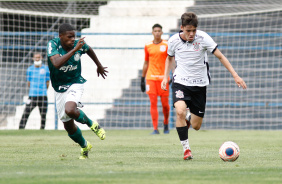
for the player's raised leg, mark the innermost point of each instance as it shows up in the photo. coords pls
(95, 127)
(79, 116)
(100, 132)
(196, 121)
(188, 118)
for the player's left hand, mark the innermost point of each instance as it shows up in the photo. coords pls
(163, 84)
(143, 84)
(240, 82)
(102, 71)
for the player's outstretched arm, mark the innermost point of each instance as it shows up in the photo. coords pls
(100, 69)
(239, 81)
(168, 66)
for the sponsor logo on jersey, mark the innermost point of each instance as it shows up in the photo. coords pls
(179, 94)
(68, 68)
(193, 81)
(197, 81)
(65, 87)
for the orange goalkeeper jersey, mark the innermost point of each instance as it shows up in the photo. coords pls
(156, 55)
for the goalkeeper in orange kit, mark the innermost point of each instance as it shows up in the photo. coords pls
(153, 69)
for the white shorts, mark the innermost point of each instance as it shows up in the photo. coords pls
(74, 94)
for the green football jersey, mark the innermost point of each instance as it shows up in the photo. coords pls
(69, 73)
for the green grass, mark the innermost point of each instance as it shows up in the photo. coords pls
(134, 156)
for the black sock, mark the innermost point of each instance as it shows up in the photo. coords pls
(182, 133)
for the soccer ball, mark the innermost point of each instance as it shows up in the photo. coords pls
(229, 151)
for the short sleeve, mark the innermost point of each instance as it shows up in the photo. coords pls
(47, 73)
(146, 53)
(28, 75)
(170, 48)
(52, 48)
(209, 43)
(85, 48)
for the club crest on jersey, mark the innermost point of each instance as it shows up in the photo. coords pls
(179, 94)
(162, 48)
(76, 57)
(196, 46)
(42, 71)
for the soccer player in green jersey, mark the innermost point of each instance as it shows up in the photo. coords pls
(65, 72)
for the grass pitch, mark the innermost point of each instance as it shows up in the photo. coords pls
(134, 156)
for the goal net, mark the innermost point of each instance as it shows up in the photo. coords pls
(248, 33)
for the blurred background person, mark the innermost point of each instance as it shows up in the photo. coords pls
(153, 69)
(38, 77)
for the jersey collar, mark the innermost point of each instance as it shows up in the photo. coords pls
(184, 41)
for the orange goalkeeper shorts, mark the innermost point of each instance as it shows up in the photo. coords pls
(154, 87)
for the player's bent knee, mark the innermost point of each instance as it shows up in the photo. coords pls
(197, 127)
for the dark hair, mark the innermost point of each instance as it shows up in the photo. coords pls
(189, 19)
(157, 25)
(65, 27)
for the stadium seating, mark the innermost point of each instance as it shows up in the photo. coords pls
(117, 101)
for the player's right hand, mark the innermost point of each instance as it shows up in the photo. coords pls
(143, 84)
(80, 43)
(163, 85)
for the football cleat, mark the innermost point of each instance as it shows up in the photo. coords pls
(84, 151)
(155, 132)
(100, 132)
(166, 130)
(188, 155)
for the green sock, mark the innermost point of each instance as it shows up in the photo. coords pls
(84, 119)
(78, 138)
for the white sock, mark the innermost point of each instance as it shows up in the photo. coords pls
(185, 145)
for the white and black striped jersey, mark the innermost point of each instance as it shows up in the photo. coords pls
(191, 59)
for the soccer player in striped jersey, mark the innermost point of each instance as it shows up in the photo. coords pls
(65, 72)
(191, 77)
(153, 69)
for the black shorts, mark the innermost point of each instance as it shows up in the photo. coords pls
(193, 96)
